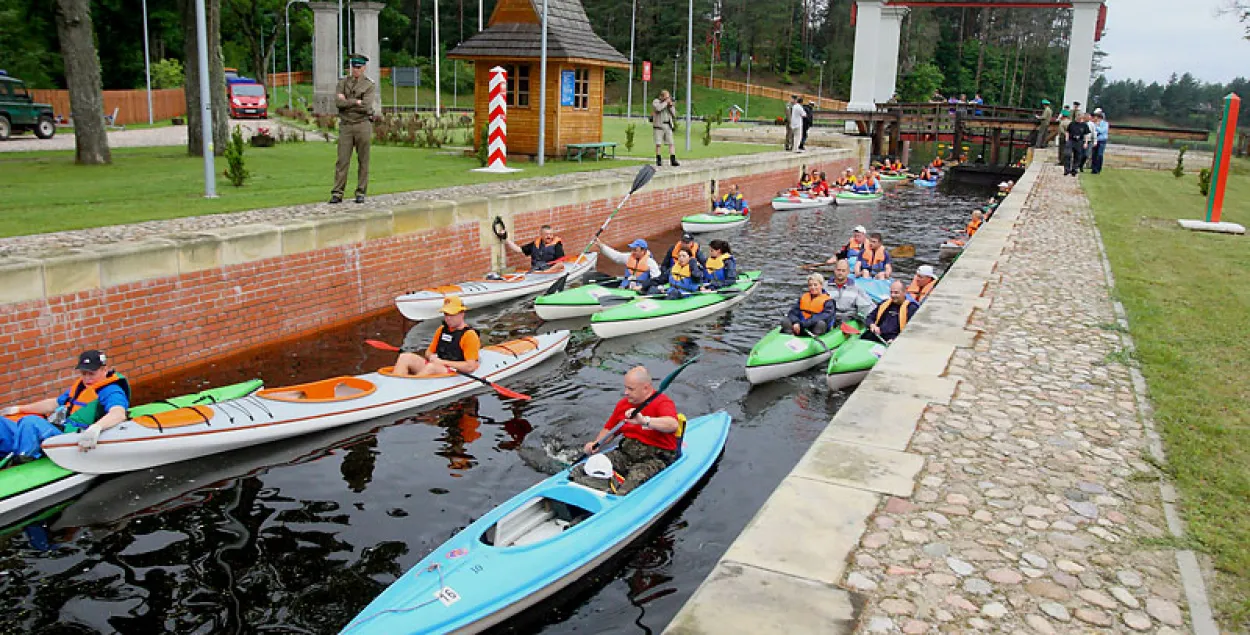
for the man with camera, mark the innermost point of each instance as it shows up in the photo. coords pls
(663, 114)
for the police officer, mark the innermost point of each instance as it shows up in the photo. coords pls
(354, 98)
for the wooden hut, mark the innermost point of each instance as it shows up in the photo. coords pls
(576, 60)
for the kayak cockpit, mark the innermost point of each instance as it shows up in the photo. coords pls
(326, 390)
(541, 518)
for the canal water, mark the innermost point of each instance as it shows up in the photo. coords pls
(298, 536)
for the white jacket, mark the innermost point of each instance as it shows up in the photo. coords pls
(797, 115)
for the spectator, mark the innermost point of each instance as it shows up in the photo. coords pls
(798, 120)
(1102, 130)
(1043, 125)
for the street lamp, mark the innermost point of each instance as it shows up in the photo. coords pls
(147, 60)
(289, 84)
(629, 100)
(746, 112)
(689, 67)
(821, 85)
(542, 93)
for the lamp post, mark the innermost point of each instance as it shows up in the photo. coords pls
(629, 100)
(438, 68)
(339, 72)
(820, 87)
(147, 60)
(289, 83)
(206, 101)
(689, 67)
(746, 111)
(542, 92)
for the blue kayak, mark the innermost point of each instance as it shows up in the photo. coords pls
(925, 183)
(878, 290)
(535, 544)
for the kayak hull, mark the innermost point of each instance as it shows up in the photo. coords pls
(950, 250)
(428, 304)
(851, 198)
(281, 413)
(852, 363)
(925, 183)
(578, 302)
(779, 355)
(649, 314)
(487, 573)
(19, 506)
(785, 203)
(703, 223)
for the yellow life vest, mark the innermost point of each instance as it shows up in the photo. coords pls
(902, 314)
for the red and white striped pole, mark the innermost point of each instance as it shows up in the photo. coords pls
(497, 129)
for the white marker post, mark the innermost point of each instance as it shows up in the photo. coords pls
(497, 131)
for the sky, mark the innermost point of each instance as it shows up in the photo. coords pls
(1151, 39)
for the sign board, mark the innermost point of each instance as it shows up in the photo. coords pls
(408, 76)
(566, 88)
(646, 71)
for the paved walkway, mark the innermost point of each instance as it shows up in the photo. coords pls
(134, 138)
(1035, 511)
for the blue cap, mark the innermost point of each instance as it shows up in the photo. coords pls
(640, 243)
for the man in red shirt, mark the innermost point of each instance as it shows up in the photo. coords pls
(650, 442)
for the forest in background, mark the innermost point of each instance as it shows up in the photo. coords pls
(1011, 57)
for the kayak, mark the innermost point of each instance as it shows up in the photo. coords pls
(700, 223)
(428, 303)
(578, 302)
(783, 203)
(852, 198)
(852, 362)
(895, 178)
(877, 290)
(778, 355)
(32, 486)
(533, 545)
(950, 249)
(925, 183)
(279, 413)
(648, 313)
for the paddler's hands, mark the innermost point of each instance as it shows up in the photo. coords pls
(876, 330)
(797, 329)
(10, 411)
(87, 439)
(590, 448)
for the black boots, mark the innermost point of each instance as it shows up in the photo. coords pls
(672, 160)
(658, 161)
(336, 198)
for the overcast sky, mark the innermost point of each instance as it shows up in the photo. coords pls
(1151, 39)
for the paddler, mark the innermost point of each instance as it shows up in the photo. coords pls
(95, 402)
(922, 283)
(890, 317)
(732, 202)
(853, 247)
(640, 266)
(455, 346)
(685, 276)
(874, 261)
(974, 224)
(849, 301)
(821, 186)
(687, 240)
(545, 251)
(813, 312)
(1004, 189)
(650, 442)
(721, 267)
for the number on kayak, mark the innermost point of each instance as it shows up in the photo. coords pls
(648, 305)
(447, 596)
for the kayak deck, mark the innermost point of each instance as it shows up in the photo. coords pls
(427, 304)
(650, 312)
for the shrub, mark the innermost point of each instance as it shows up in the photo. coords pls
(630, 131)
(1179, 170)
(235, 170)
(168, 74)
(483, 146)
(707, 132)
(1204, 181)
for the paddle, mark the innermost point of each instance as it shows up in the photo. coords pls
(5, 461)
(644, 177)
(822, 343)
(664, 384)
(903, 251)
(818, 266)
(512, 394)
(616, 300)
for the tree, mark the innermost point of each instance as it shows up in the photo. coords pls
(257, 22)
(216, 78)
(82, 72)
(168, 74)
(918, 85)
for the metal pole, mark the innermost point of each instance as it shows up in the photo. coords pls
(676, 56)
(479, 15)
(689, 67)
(629, 100)
(351, 45)
(147, 60)
(339, 72)
(416, 65)
(289, 83)
(820, 87)
(206, 101)
(542, 92)
(394, 92)
(747, 111)
(438, 76)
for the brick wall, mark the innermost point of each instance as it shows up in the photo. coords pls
(163, 325)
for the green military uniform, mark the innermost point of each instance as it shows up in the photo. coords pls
(355, 130)
(1043, 127)
(634, 460)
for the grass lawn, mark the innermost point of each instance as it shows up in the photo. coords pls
(1187, 308)
(644, 144)
(706, 101)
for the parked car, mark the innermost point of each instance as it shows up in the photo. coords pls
(247, 99)
(19, 112)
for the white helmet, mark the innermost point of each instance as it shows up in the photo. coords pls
(598, 466)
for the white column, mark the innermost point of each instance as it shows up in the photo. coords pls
(325, 56)
(365, 32)
(864, 74)
(887, 64)
(1081, 52)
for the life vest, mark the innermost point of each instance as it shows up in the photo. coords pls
(448, 346)
(937, 163)
(972, 227)
(810, 305)
(854, 247)
(902, 314)
(543, 254)
(873, 261)
(694, 252)
(678, 273)
(918, 292)
(821, 189)
(83, 407)
(636, 269)
(731, 201)
(716, 266)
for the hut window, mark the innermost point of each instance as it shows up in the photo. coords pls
(581, 89)
(518, 85)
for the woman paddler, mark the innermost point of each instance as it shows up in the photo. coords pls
(813, 312)
(685, 276)
(722, 269)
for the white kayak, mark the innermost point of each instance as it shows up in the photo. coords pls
(701, 223)
(783, 203)
(273, 414)
(950, 250)
(428, 303)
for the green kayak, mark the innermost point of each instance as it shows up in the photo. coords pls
(896, 177)
(712, 222)
(779, 355)
(648, 313)
(32, 486)
(852, 362)
(856, 197)
(578, 302)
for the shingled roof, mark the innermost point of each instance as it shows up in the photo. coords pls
(569, 36)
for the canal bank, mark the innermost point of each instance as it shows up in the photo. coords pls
(989, 474)
(169, 295)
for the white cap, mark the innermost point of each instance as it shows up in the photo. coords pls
(1098, 111)
(927, 271)
(598, 466)
(1004, 184)
(860, 229)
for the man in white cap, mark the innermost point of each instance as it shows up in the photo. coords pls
(922, 283)
(890, 317)
(853, 247)
(640, 266)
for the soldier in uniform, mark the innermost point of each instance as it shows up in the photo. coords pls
(354, 99)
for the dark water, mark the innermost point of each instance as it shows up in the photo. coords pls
(298, 536)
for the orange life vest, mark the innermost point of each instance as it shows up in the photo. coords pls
(83, 407)
(972, 228)
(854, 245)
(918, 292)
(812, 305)
(870, 258)
(637, 267)
(902, 314)
(694, 251)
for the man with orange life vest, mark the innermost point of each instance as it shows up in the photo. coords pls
(546, 250)
(971, 229)
(687, 241)
(813, 312)
(890, 317)
(455, 346)
(853, 247)
(874, 261)
(721, 267)
(640, 266)
(732, 202)
(97, 401)
(922, 283)
(650, 442)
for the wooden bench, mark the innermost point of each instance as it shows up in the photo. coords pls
(596, 150)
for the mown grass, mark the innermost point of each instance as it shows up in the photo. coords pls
(1187, 306)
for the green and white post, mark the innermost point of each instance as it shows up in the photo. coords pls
(1219, 173)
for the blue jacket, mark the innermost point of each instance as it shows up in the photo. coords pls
(826, 315)
(1103, 130)
(889, 322)
(691, 284)
(725, 276)
(733, 202)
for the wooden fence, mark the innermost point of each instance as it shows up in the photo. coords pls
(131, 105)
(822, 103)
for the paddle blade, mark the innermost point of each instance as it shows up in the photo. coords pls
(847, 329)
(558, 286)
(382, 346)
(511, 394)
(903, 251)
(668, 379)
(644, 177)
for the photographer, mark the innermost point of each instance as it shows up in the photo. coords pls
(663, 114)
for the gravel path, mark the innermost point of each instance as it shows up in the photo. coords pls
(145, 137)
(1035, 512)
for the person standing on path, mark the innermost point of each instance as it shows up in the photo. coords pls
(790, 130)
(1065, 120)
(809, 116)
(354, 98)
(798, 117)
(1102, 131)
(663, 114)
(1079, 137)
(1043, 127)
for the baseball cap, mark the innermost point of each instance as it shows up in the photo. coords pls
(1004, 184)
(687, 238)
(452, 305)
(91, 360)
(860, 229)
(927, 271)
(598, 466)
(638, 244)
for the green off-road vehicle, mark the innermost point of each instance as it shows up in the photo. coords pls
(19, 112)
